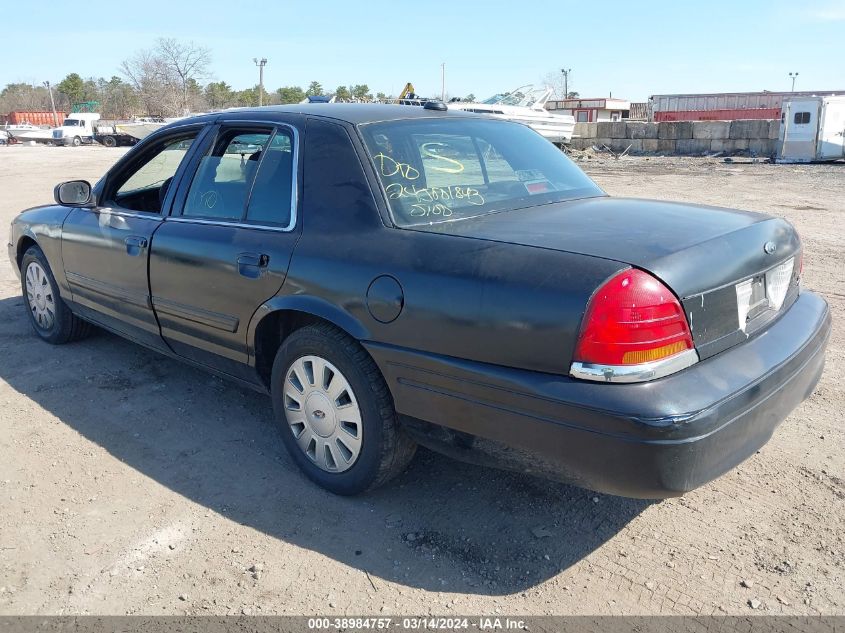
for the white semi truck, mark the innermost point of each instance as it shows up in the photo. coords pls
(85, 127)
(76, 129)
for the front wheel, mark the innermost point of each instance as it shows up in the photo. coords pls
(76, 141)
(50, 317)
(336, 413)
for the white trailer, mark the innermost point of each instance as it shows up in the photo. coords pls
(812, 129)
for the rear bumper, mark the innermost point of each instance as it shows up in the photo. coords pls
(651, 440)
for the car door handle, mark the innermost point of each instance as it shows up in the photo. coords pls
(135, 244)
(252, 264)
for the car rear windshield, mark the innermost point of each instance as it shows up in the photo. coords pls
(453, 168)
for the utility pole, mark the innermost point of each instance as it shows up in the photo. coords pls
(261, 63)
(793, 76)
(566, 72)
(52, 104)
(443, 81)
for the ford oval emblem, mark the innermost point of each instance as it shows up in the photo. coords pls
(770, 247)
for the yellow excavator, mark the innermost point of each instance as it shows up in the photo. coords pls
(408, 92)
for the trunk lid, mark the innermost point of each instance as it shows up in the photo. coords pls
(700, 252)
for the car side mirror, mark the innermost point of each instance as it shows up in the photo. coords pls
(74, 193)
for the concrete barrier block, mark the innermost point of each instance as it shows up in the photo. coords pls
(641, 129)
(721, 145)
(651, 145)
(729, 146)
(692, 146)
(673, 130)
(611, 129)
(599, 142)
(581, 130)
(666, 145)
(621, 144)
(604, 129)
(761, 146)
(711, 129)
(749, 128)
(774, 129)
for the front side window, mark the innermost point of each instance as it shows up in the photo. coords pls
(245, 176)
(452, 168)
(144, 187)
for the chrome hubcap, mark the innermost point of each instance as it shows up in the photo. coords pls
(323, 414)
(39, 294)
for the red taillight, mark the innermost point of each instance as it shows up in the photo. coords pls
(632, 319)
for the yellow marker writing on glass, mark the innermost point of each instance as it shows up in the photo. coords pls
(458, 168)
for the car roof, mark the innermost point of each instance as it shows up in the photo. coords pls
(355, 113)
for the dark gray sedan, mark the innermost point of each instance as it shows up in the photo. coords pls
(396, 275)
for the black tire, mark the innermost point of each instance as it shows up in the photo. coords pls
(109, 141)
(386, 449)
(76, 141)
(66, 326)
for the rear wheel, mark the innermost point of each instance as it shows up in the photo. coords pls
(50, 317)
(336, 413)
(109, 141)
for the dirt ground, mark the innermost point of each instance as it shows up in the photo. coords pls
(130, 483)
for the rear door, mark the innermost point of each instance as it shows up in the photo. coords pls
(226, 246)
(105, 248)
(799, 129)
(832, 130)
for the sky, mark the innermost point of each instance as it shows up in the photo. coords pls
(488, 46)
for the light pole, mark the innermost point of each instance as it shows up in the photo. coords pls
(793, 76)
(52, 104)
(566, 72)
(261, 63)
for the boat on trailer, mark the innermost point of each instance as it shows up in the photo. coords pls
(28, 132)
(526, 104)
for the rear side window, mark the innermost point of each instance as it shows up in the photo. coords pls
(334, 183)
(801, 118)
(246, 176)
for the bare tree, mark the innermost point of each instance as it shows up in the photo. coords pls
(188, 62)
(147, 75)
(166, 77)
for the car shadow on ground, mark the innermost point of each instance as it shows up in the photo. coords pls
(441, 526)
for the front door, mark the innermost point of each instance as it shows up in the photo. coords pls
(226, 247)
(105, 248)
